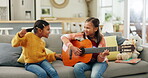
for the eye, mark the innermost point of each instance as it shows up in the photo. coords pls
(48, 29)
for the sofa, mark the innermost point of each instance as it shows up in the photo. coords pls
(54, 43)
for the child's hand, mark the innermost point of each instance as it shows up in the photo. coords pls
(22, 33)
(76, 50)
(58, 56)
(105, 53)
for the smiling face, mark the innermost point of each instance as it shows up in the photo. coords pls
(90, 29)
(45, 32)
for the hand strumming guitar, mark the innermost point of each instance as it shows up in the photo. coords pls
(76, 50)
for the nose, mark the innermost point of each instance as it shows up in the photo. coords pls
(84, 29)
(49, 32)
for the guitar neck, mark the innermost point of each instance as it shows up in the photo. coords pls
(100, 49)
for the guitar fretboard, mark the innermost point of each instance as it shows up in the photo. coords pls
(100, 49)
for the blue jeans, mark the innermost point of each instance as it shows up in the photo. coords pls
(42, 69)
(97, 69)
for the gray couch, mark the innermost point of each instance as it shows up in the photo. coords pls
(115, 70)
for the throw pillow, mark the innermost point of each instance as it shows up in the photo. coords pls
(111, 42)
(21, 58)
(9, 55)
(119, 38)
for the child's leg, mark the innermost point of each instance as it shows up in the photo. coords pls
(98, 69)
(40, 72)
(49, 69)
(80, 68)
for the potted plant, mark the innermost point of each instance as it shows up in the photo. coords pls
(108, 17)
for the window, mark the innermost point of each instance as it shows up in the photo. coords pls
(106, 10)
(145, 34)
(139, 18)
(113, 11)
(136, 16)
(118, 11)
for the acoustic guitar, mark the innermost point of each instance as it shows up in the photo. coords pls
(70, 59)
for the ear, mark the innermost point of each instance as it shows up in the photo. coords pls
(96, 28)
(40, 30)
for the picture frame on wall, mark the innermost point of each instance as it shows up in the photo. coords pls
(46, 12)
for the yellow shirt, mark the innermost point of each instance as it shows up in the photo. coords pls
(33, 48)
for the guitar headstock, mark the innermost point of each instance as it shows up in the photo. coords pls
(126, 48)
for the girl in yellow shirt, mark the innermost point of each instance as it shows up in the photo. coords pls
(34, 50)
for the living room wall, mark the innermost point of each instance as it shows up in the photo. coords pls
(75, 8)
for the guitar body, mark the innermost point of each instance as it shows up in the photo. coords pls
(72, 59)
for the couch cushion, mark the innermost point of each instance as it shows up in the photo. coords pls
(15, 72)
(111, 42)
(119, 37)
(54, 43)
(6, 38)
(63, 71)
(121, 69)
(9, 55)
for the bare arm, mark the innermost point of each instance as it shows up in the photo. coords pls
(68, 37)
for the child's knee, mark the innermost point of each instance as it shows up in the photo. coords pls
(42, 74)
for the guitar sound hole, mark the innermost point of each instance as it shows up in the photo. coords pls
(83, 51)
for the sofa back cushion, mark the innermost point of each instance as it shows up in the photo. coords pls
(54, 42)
(9, 55)
(118, 35)
(6, 38)
(111, 42)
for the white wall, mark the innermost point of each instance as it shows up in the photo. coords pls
(93, 8)
(73, 8)
(38, 9)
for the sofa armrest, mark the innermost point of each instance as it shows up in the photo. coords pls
(144, 53)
